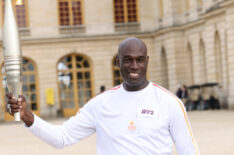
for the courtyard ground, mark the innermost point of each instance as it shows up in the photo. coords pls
(213, 130)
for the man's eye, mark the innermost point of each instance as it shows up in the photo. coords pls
(141, 59)
(126, 60)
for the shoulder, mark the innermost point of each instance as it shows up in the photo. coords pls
(174, 105)
(94, 104)
(163, 92)
(110, 91)
(107, 94)
(166, 95)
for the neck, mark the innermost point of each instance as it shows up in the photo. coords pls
(135, 87)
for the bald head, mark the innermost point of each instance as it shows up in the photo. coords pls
(132, 44)
(132, 60)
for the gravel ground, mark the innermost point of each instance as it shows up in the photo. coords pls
(213, 130)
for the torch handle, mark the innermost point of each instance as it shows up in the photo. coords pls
(13, 76)
(17, 116)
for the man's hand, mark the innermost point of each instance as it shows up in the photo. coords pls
(19, 105)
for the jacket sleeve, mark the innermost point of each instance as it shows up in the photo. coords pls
(73, 130)
(180, 129)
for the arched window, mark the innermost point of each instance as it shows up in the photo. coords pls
(117, 79)
(218, 56)
(75, 84)
(21, 12)
(29, 86)
(203, 72)
(164, 69)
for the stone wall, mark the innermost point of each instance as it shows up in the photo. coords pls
(180, 33)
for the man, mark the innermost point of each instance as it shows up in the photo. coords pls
(137, 117)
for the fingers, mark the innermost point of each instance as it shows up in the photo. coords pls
(14, 105)
(15, 108)
(12, 101)
(21, 98)
(10, 96)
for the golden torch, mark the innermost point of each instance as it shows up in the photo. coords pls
(12, 53)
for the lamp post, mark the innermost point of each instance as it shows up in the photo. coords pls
(12, 53)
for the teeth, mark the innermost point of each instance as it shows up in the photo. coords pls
(134, 74)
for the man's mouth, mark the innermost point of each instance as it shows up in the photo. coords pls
(134, 75)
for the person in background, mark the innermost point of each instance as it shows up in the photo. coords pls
(184, 92)
(179, 92)
(185, 97)
(102, 88)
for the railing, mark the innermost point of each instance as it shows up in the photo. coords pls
(80, 30)
(24, 31)
(72, 29)
(127, 27)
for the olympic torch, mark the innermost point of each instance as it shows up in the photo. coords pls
(12, 53)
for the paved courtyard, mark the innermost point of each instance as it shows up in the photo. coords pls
(213, 130)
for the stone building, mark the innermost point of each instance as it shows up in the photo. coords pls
(69, 47)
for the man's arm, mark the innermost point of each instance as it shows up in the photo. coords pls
(180, 129)
(72, 131)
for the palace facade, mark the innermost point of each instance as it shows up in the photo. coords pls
(69, 48)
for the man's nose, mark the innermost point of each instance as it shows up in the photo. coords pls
(134, 64)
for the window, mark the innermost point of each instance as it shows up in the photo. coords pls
(200, 2)
(187, 5)
(21, 14)
(74, 82)
(71, 16)
(29, 85)
(117, 79)
(161, 10)
(126, 15)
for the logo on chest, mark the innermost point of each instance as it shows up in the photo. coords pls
(147, 112)
(131, 126)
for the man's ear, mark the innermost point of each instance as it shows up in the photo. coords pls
(117, 61)
(147, 59)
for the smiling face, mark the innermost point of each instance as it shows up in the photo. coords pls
(133, 60)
